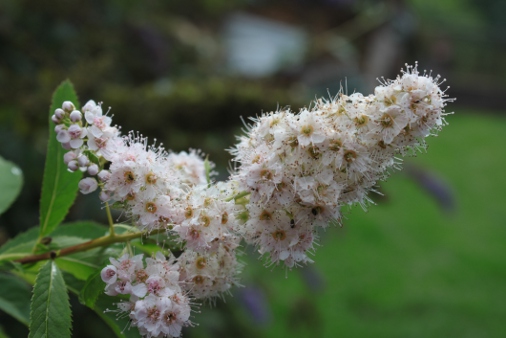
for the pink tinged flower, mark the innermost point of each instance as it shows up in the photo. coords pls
(174, 317)
(76, 134)
(100, 124)
(155, 285)
(123, 287)
(88, 185)
(91, 112)
(109, 274)
(147, 315)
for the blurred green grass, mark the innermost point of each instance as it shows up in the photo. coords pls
(406, 268)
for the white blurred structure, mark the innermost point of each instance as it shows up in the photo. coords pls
(257, 46)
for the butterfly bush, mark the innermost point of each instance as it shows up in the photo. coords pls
(294, 171)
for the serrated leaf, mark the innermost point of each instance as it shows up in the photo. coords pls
(59, 186)
(15, 297)
(50, 315)
(11, 181)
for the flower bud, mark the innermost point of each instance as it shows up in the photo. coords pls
(69, 157)
(73, 166)
(104, 175)
(68, 106)
(66, 146)
(59, 113)
(55, 119)
(76, 116)
(83, 160)
(93, 169)
(88, 185)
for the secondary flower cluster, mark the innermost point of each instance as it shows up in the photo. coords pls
(157, 305)
(301, 168)
(295, 171)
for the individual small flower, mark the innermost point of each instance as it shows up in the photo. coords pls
(76, 136)
(310, 129)
(88, 185)
(91, 111)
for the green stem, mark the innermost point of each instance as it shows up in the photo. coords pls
(109, 219)
(239, 195)
(94, 243)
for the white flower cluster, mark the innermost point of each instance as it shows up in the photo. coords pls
(301, 168)
(295, 172)
(157, 305)
(157, 190)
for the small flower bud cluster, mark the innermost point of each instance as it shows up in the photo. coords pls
(158, 305)
(301, 168)
(87, 140)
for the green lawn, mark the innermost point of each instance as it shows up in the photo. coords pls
(404, 268)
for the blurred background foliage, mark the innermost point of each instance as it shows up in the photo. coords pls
(429, 261)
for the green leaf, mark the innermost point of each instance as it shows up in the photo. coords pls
(11, 180)
(93, 288)
(20, 245)
(15, 297)
(50, 315)
(59, 186)
(2, 333)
